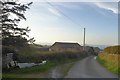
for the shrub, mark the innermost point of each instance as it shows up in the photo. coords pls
(110, 58)
(112, 50)
(51, 56)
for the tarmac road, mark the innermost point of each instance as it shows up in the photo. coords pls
(89, 68)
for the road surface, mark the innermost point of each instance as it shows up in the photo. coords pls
(89, 68)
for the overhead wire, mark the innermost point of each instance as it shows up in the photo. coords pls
(68, 19)
(63, 14)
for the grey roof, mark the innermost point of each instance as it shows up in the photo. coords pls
(67, 45)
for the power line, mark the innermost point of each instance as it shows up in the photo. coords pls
(68, 19)
(63, 14)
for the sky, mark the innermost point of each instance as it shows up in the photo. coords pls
(64, 22)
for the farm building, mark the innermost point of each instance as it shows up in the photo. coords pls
(62, 47)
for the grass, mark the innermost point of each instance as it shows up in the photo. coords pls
(109, 65)
(64, 68)
(34, 69)
(27, 54)
(101, 61)
(11, 76)
(17, 73)
(64, 65)
(0, 75)
(110, 58)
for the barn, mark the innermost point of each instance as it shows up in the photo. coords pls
(65, 47)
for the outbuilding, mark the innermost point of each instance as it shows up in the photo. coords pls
(65, 46)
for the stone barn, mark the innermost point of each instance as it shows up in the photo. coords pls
(64, 47)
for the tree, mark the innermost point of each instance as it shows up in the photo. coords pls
(11, 13)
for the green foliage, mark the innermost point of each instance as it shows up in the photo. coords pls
(7, 49)
(16, 41)
(10, 25)
(12, 35)
(34, 69)
(109, 66)
(36, 45)
(64, 67)
(64, 59)
(100, 60)
(33, 56)
(10, 76)
(67, 65)
(112, 50)
(110, 58)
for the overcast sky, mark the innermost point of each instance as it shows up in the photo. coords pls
(64, 22)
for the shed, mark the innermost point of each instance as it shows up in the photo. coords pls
(65, 46)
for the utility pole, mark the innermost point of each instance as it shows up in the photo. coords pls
(84, 40)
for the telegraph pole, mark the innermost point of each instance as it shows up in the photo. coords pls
(84, 40)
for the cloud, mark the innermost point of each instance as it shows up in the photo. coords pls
(108, 6)
(54, 11)
(70, 0)
(68, 5)
(57, 8)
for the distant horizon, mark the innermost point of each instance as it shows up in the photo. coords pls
(48, 43)
(93, 45)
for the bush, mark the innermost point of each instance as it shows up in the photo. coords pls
(51, 56)
(7, 49)
(110, 58)
(112, 50)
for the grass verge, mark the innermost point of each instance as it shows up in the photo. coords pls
(64, 68)
(17, 73)
(64, 65)
(40, 68)
(109, 66)
(67, 65)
